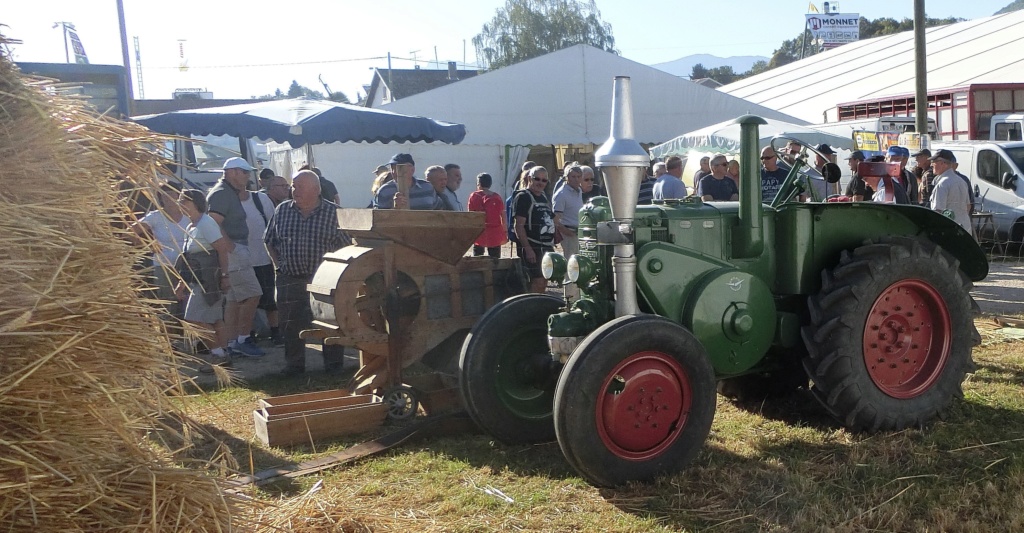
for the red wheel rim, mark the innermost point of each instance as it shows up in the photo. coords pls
(907, 339)
(645, 401)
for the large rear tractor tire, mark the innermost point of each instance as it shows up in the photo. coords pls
(635, 401)
(505, 370)
(891, 335)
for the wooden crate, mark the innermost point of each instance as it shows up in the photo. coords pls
(309, 417)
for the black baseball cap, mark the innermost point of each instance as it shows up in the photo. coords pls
(944, 154)
(925, 151)
(857, 154)
(825, 149)
(401, 159)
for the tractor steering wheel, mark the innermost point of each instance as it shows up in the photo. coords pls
(801, 173)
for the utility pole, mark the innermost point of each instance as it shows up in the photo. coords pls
(920, 71)
(125, 58)
(64, 27)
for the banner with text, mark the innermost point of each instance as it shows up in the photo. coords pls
(76, 46)
(834, 29)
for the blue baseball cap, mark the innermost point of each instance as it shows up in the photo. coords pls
(894, 151)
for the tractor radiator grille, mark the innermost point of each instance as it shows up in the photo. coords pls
(659, 234)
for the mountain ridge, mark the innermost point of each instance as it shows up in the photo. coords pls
(683, 66)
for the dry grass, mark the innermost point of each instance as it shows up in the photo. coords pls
(773, 465)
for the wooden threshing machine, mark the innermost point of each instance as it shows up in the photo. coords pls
(405, 292)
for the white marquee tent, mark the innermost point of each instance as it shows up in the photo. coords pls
(986, 50)
(558, 99)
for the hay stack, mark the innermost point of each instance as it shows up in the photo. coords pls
(84, 359)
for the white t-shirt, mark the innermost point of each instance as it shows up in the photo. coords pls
(203, 234)
(258, 253)
(170, 235)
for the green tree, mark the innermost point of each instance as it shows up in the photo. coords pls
(723, 74)
(295, 91)
(699, 72)
(525, 29)
(338, 96)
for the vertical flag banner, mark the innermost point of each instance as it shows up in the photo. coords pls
(76, 46)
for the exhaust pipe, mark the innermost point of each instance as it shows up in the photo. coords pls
(624, 164)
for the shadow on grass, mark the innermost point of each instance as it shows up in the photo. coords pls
(795, 407)
(998, 374)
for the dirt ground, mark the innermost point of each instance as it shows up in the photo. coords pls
(1002, 292)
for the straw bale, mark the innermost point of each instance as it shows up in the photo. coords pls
(85, 361)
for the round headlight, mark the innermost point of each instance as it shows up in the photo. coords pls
(552, 266)
(580, 269)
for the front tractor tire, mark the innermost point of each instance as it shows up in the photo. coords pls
(891, 335)
(505, 370)
(635, 401)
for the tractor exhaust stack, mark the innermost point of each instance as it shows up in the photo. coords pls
(624, 164)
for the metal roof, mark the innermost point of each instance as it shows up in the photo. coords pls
(986, 50)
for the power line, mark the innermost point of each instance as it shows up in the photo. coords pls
(295, 63)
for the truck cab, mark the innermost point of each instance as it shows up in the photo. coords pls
(1007, 127)
(994, 168)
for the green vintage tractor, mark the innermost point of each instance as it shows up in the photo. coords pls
(869, 302)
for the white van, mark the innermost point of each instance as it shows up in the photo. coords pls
(995, 171)
(198, 164)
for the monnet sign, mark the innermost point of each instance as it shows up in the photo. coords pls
(834, 29)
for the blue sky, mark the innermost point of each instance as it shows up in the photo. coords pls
(239, 49)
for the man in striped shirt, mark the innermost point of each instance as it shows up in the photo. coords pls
(301, 231)
(419, 195)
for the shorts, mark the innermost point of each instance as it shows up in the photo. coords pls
(265, 276)
(197, 310)
(244, 285)
(533, 269)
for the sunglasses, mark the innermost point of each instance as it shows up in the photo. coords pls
(588, 179)
(540, 180)
(767, 157)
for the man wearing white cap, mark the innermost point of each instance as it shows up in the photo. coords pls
(241, 286)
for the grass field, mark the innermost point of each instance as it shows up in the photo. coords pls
(774, 465)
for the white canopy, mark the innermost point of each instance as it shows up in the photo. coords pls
(565, 98)
(725, 137)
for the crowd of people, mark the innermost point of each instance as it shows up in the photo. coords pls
(237, 250)
(257, 249)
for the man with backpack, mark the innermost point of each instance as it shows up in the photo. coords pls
(534, 226)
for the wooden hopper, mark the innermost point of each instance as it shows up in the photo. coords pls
(443, 235)
(405, 288)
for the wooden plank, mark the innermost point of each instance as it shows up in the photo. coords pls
(306, 428)
(274, 401)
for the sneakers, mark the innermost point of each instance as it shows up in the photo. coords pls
(247, 348)
(277, 340)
